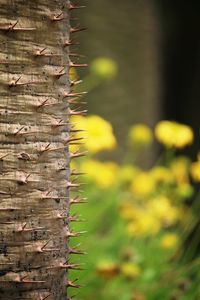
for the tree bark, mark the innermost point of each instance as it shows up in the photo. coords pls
(34, 157)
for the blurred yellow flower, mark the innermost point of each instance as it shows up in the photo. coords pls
(180, 169)
(127, 173)
(103, 174)
(169, 241)
(184, 190)
(130, 270)
(195, 171)
(173, 134)
(140, 135)
(143, 184)
(104, 67)
(162, 210)
(73, 76)
(128, 211)
(162, 175)
(98, 133)
(107, 269)
(143, 224)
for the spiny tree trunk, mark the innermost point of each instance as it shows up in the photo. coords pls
(34, 156)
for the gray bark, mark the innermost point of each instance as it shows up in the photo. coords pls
(34, 157)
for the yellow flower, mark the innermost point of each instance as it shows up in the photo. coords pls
(180, 169)
(143, 184)
(162, 175)
(128, 211)
(107, 269)
(143, 224)
(130, 270)
(140, 135)
(173, 134)
(127, 173)
(169, 241)
(103, 174)
(104, 67)
(161, 208)
(195, 171)
(73, 76)
(98, 133)
(184, 190)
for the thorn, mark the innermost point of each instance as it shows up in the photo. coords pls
(70, 43)
(74, 173)
(73, 65)
(60, 73)
(73, 112)
(70, 184)
(71, 284)
(18, 131)
(74, 101)
(76, 154)
(75, 82)
(75, 251)
(2, 157)
(45, 244)
(46, 148)
(75, 234)
(76, 29)
(66, 266)
(40, 52)
(74, 94)
(14, 82)
(75, 6)
(42, 104)
(13, 26)
(70, 139)
(45, 297)
(75, 54)
(77, 200)
(58, 17)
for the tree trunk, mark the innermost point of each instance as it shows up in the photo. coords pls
(34, 157)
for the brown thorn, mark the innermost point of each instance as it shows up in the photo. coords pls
(71, 284)
(73, 112)
(13, 26)
(70, 43)
(75, 54)
(57, 17)
(46, 148)
(45, 244)
(70, 139)
(14, 82)
(1, 158)
(75, 6)
(74, 251)
(73, 65)
(18, 131)
(77, 29)
(75, 82)
(45, 297)
(74, 94)
(42, 104)
(40, 52)
(76, 154)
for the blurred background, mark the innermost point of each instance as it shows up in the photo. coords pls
(142, 173)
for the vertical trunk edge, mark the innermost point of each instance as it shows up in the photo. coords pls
(34, 156)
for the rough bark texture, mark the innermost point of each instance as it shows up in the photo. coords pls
(34, 158)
